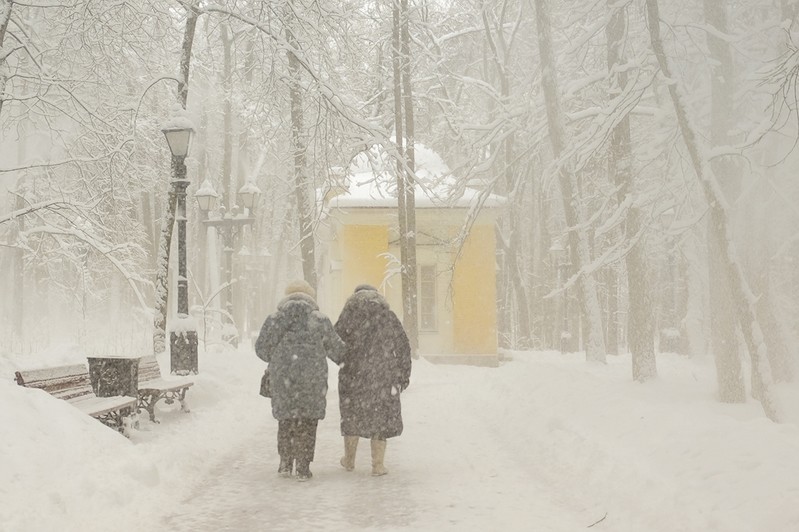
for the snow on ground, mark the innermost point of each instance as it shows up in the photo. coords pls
(544, 442)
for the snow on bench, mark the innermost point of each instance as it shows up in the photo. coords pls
(72, 384)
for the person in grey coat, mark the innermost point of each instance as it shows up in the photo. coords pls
(295, 341)
(374, 371)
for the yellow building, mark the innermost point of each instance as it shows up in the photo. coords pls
(359, 243)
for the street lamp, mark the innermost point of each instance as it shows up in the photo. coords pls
(249, 194)
(183, 335)
(558, 253)
(228, 225)
(206, 196)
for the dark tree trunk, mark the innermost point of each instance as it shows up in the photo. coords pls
(6, 12)
(719, 230)
(640, 320)
(578, 239)
(411, 319)
(724, 341)
(302, 183)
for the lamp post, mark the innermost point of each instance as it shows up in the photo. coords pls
(558, 253)
(183, 335)
(228, 225)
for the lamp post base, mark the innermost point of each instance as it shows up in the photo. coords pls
(183, 352)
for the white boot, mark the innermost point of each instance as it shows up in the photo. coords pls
(378, 454)
(350, 446)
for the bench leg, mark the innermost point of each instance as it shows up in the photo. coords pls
(129, 423)
(119, 420)
(151, 409)
(184, 404)
(148, 403)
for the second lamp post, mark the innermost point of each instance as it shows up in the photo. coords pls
(228, 225)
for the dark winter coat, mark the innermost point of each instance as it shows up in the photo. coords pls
(294, 341)
(375, 369)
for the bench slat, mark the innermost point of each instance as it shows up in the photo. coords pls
(163, 385)
(73, 385)
(153, 387)
(96, 406)
(32, 376)
(65, 382)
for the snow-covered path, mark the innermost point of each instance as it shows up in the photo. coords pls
(543, 442)
(454, 467)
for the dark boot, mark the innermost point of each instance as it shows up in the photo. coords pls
(284, 469)
(304, 470)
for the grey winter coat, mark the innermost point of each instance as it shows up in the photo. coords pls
(294, 341)
(375, 369)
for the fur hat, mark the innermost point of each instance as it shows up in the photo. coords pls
(300, 286)
(365, 287)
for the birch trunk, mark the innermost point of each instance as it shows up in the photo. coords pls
(572, 208)
(302, 183)
(409, 286)
(640, 316)
(719, 231)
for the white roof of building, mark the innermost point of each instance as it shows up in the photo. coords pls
(371, 182)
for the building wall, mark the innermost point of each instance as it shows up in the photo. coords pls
(474, 294)
(362, 252)
(359, 250)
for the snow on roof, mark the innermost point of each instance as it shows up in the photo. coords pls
(371, 182)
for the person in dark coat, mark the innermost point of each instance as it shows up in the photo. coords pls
(294, 341)
(374, 371)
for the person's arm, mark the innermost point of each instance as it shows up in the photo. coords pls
(267, 340)
(335, 348)
(343, 325)
(402, 353)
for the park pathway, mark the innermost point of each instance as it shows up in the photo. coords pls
(455, 467)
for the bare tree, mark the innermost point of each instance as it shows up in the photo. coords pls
(500, 46)
(719, 231)
(405, 139)
(5, 18)
(572, 207)
(641, 327)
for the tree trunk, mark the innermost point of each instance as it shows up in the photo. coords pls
(788, 10)
(228, 178)
(724, 341)
(409, 286)
(5, 17)
(406, 201)
(168, 222)
(523, 337)
(18, 285)
(742, 296)
(302, 182)
(573, 210)
(640, 315)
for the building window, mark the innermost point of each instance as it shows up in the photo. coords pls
(427, 297)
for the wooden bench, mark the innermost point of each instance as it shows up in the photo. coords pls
(152, 387)
(72, 384)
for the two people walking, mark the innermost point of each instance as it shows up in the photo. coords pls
(372, 351)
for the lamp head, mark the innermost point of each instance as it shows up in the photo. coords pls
(249, 194)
